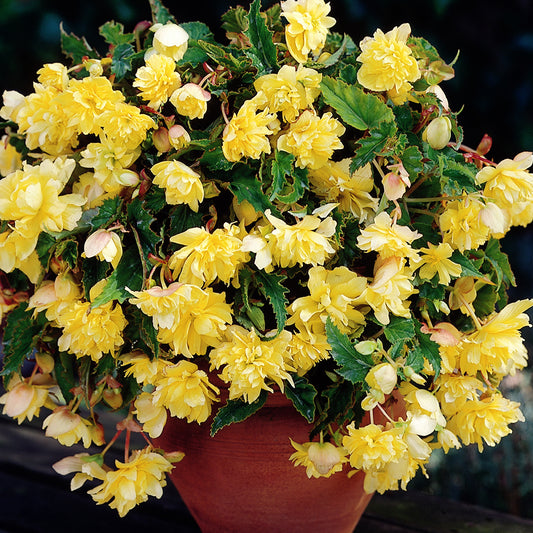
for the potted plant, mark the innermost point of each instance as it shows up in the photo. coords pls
(200, 236)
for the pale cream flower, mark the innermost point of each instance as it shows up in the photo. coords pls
(307, 28)
(190, 100)
(104, 245)
(321, 459)
(170, 40)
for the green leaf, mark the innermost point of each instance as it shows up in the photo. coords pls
(361, 110)
(127, 274)
(107, 213)
(353, 366)
(93, 271)
(224, 56)
(456, 177)
(140, 331)
(75, 48)
(235, 20)
(430, 349)
(182, 218)
(67, 249)
(65, 374)
(122, 60)
(302, 396)
(160, 13)
(271, 286)
(371, 145)
(400, 330)
(415, 359)
(140, 219)
(214, 159)
(467, 266)
(485, 302)
(263, 51)
(113, 33)
(44, 247)
(500, 263)
(20, 338)
(236, 411)
(287, 191)
(412, 162)
(198, 31)
(245, 186)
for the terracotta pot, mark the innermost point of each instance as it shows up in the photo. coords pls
(242, 481)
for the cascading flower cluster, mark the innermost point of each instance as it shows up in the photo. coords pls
(187, 227)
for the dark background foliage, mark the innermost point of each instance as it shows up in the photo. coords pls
(493, 87)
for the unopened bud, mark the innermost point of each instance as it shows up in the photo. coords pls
(161, 141)
(438, 133)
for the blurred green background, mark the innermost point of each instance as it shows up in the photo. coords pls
(493, 87)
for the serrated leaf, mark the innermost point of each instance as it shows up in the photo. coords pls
(93, 271)
(67, 249)
(214, 159)
(107, 213)
(485, 302)
(140, 220)
(121, 63)
(75, 47)
(372, 145)
(160, 13)
(412, 162)
(45, 244)
(353, 365)
(287, 191)
(127, 274)
(235, 20)
(271, 286)
(361, 110)
(456, 177)
(236, 411)
(182, 218)
(415, 359)
(198, 31)
(224, 56)
(113, 33)
(245, 186)
(302, 396)
(500, 263)
(399, 330)
(140, 331)
(263, 50)
(467, 266)
(431, 351)
(19, 338)
(65, 375)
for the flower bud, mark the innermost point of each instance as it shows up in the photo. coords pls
(171, 40)
(438, 133)
(105, 245)
(382, 377)
(178, 137)
(161, 141)
(245, 211)
(324, 456)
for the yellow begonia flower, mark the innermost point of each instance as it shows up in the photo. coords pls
(187, 317)
(69, 428)
(126, 126)
(86, 469)
(388, 63)
(12, 101)
(306, 349)
(496, 347)
(206, 257)
(170, 40)
(306, 242)
(190, 100)
(182, 185)
(307, 27)
(510, 186)
(104, 245)
(312, 139)
(250, 363)
(53, 75)
(286, 91)
(157, 80)
(18, 251)
(486, 420)
(335, 183)
(333, 293)
(436, 260)
(152, 417)
(246, 134)
(454, 390)
(54, 296)
(390, 289)
(388, 238)
(185, 391)
(108, 160)
(10, 158)
(321, 459)
(382, 377)
(132, 482)
(461, 224)
(24, 399)
(142, 368)
(92, 331)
